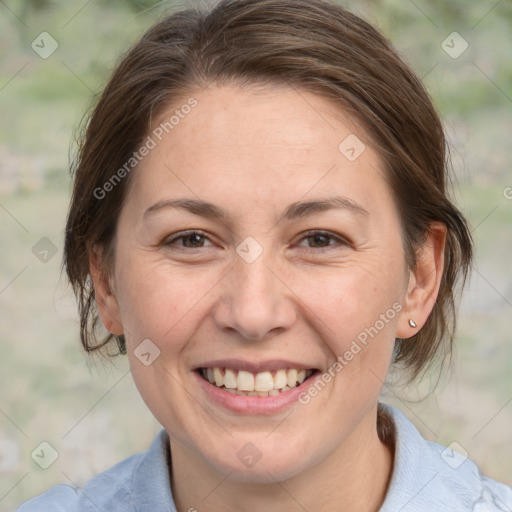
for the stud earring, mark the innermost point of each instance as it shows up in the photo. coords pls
(413, 324)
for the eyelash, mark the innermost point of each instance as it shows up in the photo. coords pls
(308, 234)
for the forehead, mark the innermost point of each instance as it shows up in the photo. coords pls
(258, 146)
(272, 116)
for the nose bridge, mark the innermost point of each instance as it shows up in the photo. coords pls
(254, 300)
(255, 281)
(252, 277)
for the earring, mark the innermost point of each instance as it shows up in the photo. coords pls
(413, 324)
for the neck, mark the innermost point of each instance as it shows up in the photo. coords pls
(354, 477)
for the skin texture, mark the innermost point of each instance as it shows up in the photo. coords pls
(253, 153)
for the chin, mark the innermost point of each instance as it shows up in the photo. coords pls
(268, 465)
(264, 472)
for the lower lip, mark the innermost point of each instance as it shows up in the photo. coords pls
(253, 405)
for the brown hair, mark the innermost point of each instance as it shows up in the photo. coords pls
(312, 45)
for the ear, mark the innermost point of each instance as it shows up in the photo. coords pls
(106, 301)
(424, 282)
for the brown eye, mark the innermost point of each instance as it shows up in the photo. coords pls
(189, 240)
(321, 240)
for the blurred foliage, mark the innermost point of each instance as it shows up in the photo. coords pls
(416, 28)
(28, 6)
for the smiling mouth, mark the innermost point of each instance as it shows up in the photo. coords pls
(264, 384)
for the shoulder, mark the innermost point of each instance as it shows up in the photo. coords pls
(114, 489)
(112, 484)
(428, 476)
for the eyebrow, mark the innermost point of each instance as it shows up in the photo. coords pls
(294, 211)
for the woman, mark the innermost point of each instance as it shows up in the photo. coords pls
(260, 220)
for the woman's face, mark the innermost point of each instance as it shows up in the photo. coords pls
(253, 290)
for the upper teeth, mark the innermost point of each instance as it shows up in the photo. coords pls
(242, 380)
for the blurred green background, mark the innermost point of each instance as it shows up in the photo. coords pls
(89, 409)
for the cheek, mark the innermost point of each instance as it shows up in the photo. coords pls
(351, 299)
(357, 309)
(156, 299)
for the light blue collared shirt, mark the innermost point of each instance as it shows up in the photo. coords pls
(427, 477)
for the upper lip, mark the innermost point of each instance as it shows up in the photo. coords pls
(255, 366)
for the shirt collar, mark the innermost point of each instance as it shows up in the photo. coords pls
(151, 478)
(423, 477)
(152, 485)
(418, 471)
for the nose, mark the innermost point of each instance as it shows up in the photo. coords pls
(255, 301)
